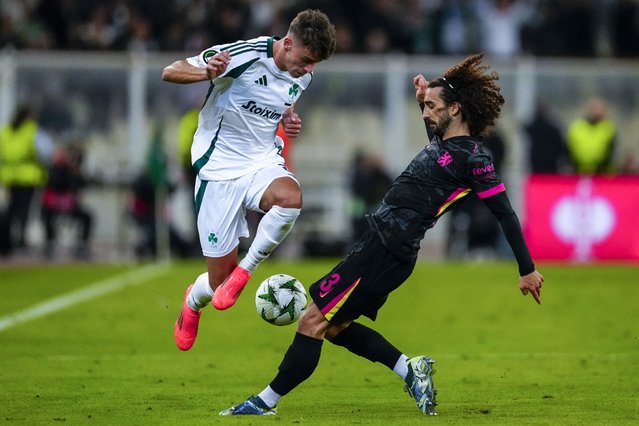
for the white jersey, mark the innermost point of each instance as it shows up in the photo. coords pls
(237, 126)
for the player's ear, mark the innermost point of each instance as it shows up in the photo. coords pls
(288, 43)
(455, 108)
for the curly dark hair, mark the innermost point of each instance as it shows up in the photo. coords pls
(476, 91)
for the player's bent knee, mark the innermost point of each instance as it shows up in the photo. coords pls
(283, 192)
(289, 199)
(290, 203)
(313, 323)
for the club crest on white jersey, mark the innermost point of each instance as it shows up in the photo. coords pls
(244, 105)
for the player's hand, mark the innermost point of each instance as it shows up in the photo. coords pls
(217, 64)
(292, 123)
(420, 84)
(531, 283)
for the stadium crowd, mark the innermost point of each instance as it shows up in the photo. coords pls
(502, 28)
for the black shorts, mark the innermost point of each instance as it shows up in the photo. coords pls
(361, 283)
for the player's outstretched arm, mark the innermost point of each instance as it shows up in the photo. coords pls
(532, 283)
(530, 280)
(182, 72)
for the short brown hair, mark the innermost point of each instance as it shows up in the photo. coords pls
(314, 30)
(476, 91)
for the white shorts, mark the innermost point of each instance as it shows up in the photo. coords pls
(221, 207)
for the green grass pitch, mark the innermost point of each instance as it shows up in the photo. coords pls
(501, 359)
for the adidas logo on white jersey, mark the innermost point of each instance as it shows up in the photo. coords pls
(262, 81)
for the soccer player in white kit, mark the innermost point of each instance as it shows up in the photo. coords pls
(237, 156)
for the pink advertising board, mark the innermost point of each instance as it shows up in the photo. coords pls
(582, 218)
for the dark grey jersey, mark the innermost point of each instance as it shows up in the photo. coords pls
(440, 175)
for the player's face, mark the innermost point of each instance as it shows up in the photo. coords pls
(299, 60)
(436, 112)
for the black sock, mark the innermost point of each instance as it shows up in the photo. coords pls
(298, 364)
(368, 343)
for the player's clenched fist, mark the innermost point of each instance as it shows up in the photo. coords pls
(217, 64)
(292, 123)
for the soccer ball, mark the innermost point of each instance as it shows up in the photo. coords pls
(280, 299)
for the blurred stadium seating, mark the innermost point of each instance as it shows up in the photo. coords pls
(113, 99)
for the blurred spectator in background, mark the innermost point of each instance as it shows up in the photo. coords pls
(546, 145)
(495, 145)
(346, 38)
(25, 152)
(566, 28)
(144, 211)
(369, 183)
(456, 27)
(541, 35)
(61, 200)
(592, 140)
(509, 27)
(502, 22)
(21, 28)
(140, 34)
(148, 203)
(186, 129)
(99, 32)
(376, 41)
(228, 19)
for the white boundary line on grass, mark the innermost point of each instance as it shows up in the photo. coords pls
(127, 279)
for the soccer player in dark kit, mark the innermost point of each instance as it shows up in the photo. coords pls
(456, 109)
